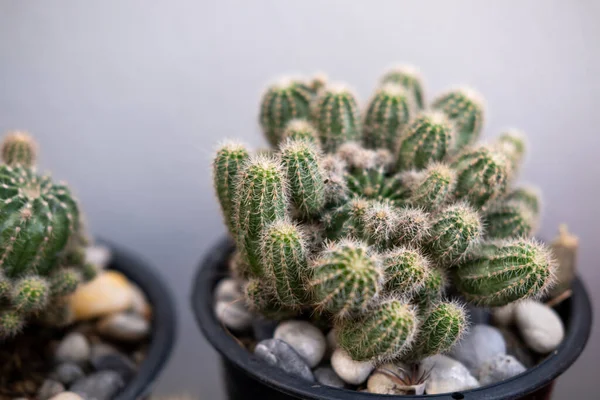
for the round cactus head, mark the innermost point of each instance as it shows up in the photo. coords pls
(30, 294)
(434, 188)
(300, 129)
(509, 219)
(513, 145)
(383, 333)
(410, 78)
(528, 197)
(283, 101)
(19, 148)
(64, 281)
(406, 271)
(11, 323)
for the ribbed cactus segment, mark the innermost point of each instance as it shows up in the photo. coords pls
(285, 100)
(432, 290)
(410, 78)
(383, 333)
(427, 139)
(30, 294)
(435, 188)
(513, 145)
(19, 148)
(64, 281)
(465, 109)
(347, 220)
(454, 231)
(413, 226)
(335, 115)
(11, 323)
(443, 327)
(226, 165)
(506, 220)
(284, 258)
(528, 197)
(300, 129)
(386, 117)
(500, 272)
(261, 299)
(373, 183)
(37, 218)
(482, 175)
(380, 224)
(260, 200)
(406, 271)
(347, 277)
(306, 183)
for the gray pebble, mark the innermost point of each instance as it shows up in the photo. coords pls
(115, 362)
(73, 348)
(279, 354)
(447, 375)
(234, 315)
(539, 325)
(101, 349)
(67, 373)
(103, 385)
(351, 371)
(481, 343)
(516, 348)
(499, 368)
(305, 338)
(327, 376)
(124, 327)
(50, 388)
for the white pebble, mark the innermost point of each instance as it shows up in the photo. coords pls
(234, 314)
(228, 290)
(540, 326)
(305, 338)
(74, 348)
(352, 372)
(124, 327)
(504, 316)
(447, 375)
(98, 255)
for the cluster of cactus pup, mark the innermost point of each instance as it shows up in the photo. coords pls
(369, 219)
(42, 240)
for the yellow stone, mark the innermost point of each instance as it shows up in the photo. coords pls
(108, 293)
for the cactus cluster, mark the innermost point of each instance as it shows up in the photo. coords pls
(41, 254)
(364, 221)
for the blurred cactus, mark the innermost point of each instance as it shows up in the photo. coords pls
(506, 220)
(19, 148)
(512, 145)
(406, 271)
(300, 129)
(410, 78)
(434, 188)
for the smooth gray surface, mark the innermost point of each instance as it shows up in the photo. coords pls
(128, 98)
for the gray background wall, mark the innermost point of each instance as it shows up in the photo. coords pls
(128, 99)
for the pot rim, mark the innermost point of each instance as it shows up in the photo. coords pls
(577, 333)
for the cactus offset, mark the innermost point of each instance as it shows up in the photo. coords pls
(509, 219)
(11, 323)
(512, 145)
(386, 116)
(434, 189)
(432, 291)
(500, 272)
(19, 148)
(528, 197)
(406, 271)
(30, 294)
(410, 78)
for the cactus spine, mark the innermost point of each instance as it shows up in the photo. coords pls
(381, 334)
(454, 231)
(509, 219)
(435, 187)
(464, 108)
(260, 200)
(19, 148)
(227, 163)
(30, 294)
(410, 78)
(427, 139)
(386, 116)
(406, 271)
(335, 115)
(500, 272)
(300, 129)
(432, 291)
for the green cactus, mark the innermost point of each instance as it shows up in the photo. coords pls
(410, 78)
(497, 273)
(454, 231)
(413, 226)
(260, 298)
(64, 281)
(386, 117)
(5, 286)
(336, 189)
(513, 145)
(346, 278)
(506, 220)
(335, 115)
(432, 291)
(443, 327)
(284, 258)
(11, 323)
(346, 220)
(373, 183)
(300, 129)
(306, 184)
(283, 101)
(482, 175)
(227, 163)
(383, 333)
(465, 109)
(434, 189)
(19, 148)
(30, 294)
(317, 82)
(260, 200)
(528, 197)
(427, 139)
(380, 224)
(406, 271)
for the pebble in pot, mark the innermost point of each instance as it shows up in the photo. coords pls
(352, 372)
(124, 327)
(327, 376)
(67, 373)
(67, 396)
(396, 379)
(230, 308)
(504, 316)
(499, 368)
(50, 388)
(306, 339)
(447, 375)
(73, 348)
(279, 354)
(108, 293)
(539, 325)
(481, 344)
(103, 385)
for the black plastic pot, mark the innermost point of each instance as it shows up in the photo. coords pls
(247, 377)
(164, 320)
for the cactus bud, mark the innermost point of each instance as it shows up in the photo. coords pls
(11, 323)
(464, 108)
(410, 78)
(406, 271)
(335, 115)
(435, 187)
(30, 294)
(383, 333)
(386, 117)
(64, 281)
(19, 148)
(500, 272)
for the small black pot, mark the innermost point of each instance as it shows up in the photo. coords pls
(164, 320)
(247, 377)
